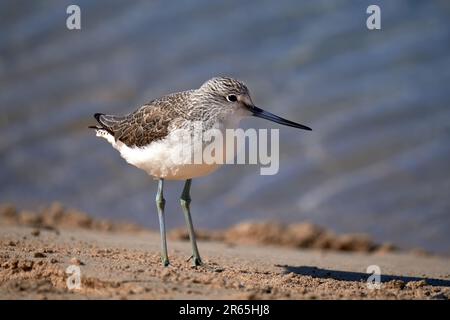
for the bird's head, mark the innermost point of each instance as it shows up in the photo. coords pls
(233, 95)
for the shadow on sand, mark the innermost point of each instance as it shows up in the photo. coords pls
(356, 276)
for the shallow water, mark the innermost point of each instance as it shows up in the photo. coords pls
(376, 162)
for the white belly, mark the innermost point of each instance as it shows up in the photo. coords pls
(162, 159)
(166, 158)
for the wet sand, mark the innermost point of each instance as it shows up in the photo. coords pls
(121, 261)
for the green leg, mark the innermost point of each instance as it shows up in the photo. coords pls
(160, 203)
(185, 201)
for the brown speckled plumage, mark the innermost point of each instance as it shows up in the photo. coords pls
(148, 123)
(153, 121)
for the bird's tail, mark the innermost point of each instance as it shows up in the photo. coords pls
(105, 122)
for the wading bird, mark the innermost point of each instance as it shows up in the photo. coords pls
(149, 138)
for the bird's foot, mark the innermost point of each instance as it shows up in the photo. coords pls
(196, 261)
(165, 261)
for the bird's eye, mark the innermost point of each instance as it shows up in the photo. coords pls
(231, 98)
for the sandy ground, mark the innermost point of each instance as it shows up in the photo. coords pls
(122, 262)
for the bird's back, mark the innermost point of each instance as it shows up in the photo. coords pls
(148, 123)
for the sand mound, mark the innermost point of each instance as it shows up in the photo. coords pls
(298, 235)
(57, 216)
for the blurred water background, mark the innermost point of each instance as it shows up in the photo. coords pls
(378, 101)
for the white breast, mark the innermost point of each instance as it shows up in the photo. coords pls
(167, 158)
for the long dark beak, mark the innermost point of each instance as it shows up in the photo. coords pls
(260, 113)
